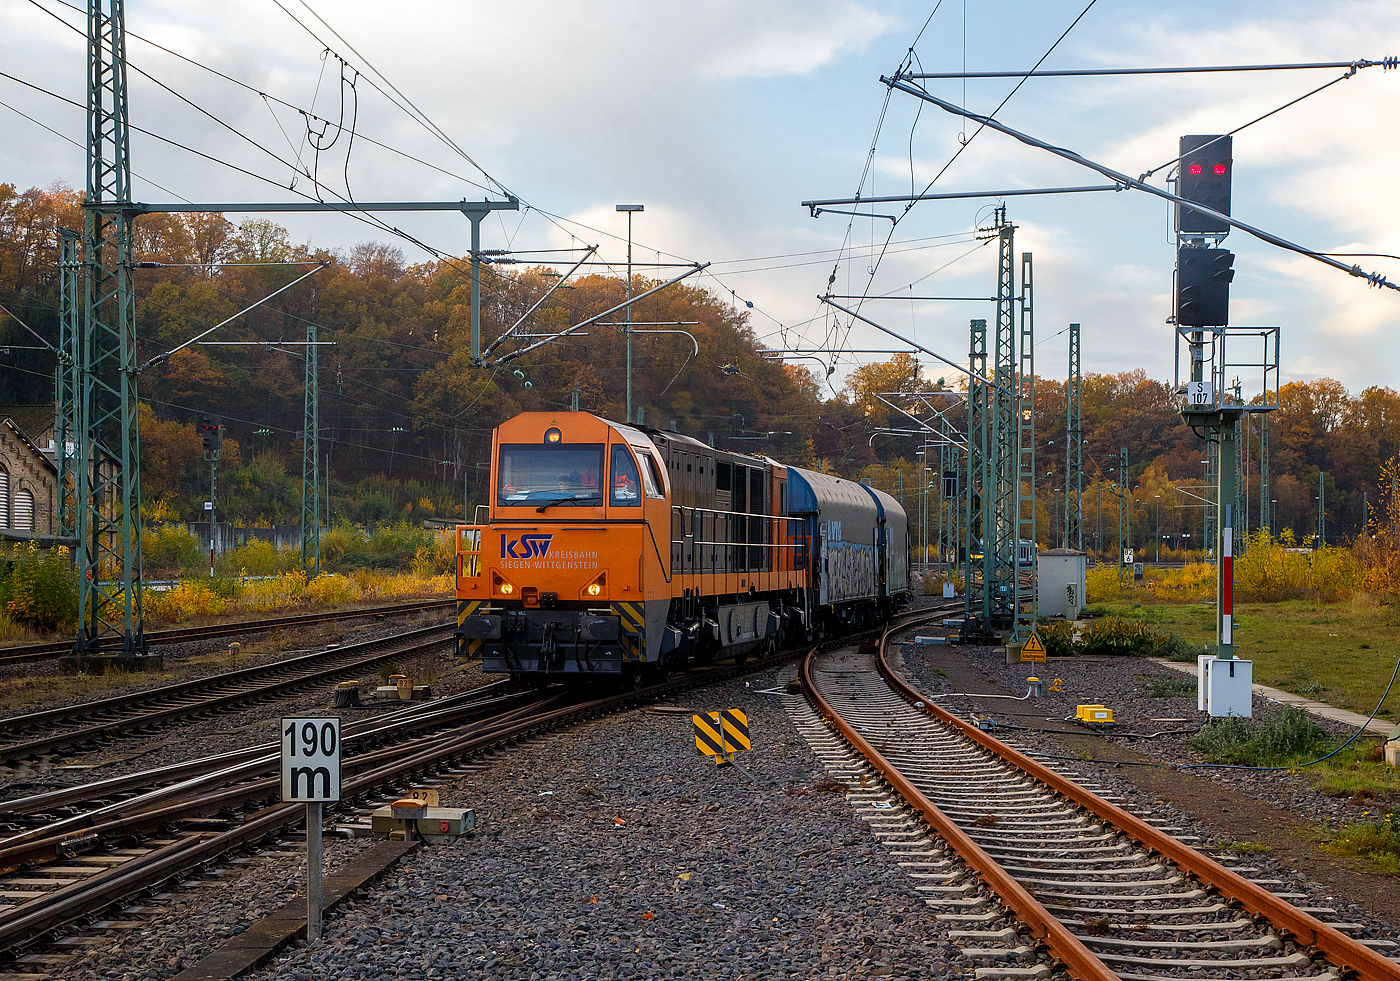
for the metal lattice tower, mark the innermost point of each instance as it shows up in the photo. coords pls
(66, 374)
(108, 484)
(311, 464)
(1266, 518)
(975, 498)
(1209, 492)
(1321, 512)
(1001, 585)
(1124, 508)
(1025, 453)
(1241, 496)
(1074, 447)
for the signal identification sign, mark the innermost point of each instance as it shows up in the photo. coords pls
(311, 759)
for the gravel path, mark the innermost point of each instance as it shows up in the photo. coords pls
(613, 851)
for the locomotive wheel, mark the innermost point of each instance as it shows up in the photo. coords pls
(664, 670)
(633, 677)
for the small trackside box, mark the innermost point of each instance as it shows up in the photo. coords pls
(481, 628)
(436, 825)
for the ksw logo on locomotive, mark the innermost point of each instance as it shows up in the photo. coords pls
(533, 552)
(526, 547)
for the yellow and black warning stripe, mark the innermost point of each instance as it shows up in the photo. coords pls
(634, 629)
(721, 733)
(465, 608)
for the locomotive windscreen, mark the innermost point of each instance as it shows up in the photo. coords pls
(566, 474)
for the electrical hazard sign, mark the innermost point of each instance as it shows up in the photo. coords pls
(721, 734)
(1033, 649)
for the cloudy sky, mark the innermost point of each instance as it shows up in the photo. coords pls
(722, 117)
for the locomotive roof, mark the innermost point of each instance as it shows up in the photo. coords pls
(697, 446)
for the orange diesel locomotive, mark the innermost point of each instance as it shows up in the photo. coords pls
(611, 551)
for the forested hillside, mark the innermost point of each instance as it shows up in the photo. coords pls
(406, 422)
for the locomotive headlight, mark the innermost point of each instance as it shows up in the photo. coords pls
(553, 436)
(595, 590)
(507, 588)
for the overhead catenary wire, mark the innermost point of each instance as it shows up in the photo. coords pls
(1374, 279)
(956, 154)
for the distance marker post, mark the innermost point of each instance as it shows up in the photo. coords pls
(311, 773)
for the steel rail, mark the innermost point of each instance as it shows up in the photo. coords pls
(239, 780)
(411, 716)
(1061, 942)
(437, 751)
(1349, 956)
(177, 635)
(35, 747)
(41, 915)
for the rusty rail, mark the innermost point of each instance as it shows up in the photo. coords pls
(1351, 957)
(1044, 927)
(180, 635)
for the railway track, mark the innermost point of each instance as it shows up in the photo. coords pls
(43, 733)
(1038, 872)
(179, 635)
(72, 853)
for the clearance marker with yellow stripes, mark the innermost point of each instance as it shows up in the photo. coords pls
(721, 734)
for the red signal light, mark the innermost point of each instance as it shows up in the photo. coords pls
(1220, 168)
(1195, 168)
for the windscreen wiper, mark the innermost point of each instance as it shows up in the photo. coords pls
(560, 500)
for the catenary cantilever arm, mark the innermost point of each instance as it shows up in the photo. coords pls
(1375, 279)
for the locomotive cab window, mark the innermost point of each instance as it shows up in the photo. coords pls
(564, 474)
(651, 476)
(625, 482)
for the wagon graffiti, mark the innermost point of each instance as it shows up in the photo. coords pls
(849, 571)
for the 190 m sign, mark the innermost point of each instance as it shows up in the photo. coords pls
(311, 759)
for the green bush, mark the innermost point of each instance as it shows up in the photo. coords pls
(1116, 636)
(1173, 688)
(172, 547)
(1058, 638)
(38, 589)
(345, 548)
(1291, 736)
(1177, 648)
(257, 558)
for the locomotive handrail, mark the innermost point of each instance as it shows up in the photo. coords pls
(773, 523)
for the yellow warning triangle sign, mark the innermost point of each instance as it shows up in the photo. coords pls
(1033, 649)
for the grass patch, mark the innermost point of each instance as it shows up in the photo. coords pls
(1287, 738)
(1173, 688)
(1359, 774)
(1248, 848)
(1348, 648)
(23, 691)
(1376, 840)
